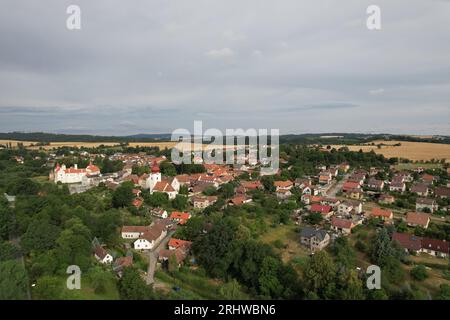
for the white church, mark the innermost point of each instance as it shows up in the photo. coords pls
(73, 174)
(156, 183)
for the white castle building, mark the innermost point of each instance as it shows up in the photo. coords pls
(73, 174)
(157, 184)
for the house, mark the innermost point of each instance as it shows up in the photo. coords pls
(408, 241)
(180, 217)
(428, 178)
(425, 204)
(151, 237)
(201, 202)
(239, 200)
(386, 199)
(397, 186)
(102, 255)
(160, 213)
(138, 202)
(344, 226)
(326, 211)
(179, 253)
(176, 243)
(325, 177)
(350, 185)
(133, 232)
(314, 239)
(350, 207)
(121, 263)
(252, 185)
(283, 194)
(442, 192)
(420, 189)
(356, 194)
(435, 247)
(404, 176)
(283, 185)
(302, 183)
(375, 184)
(332, 202)
(358, 177)
(309, 199)
(73, 174)
(384, 215)
(414, 219)
(344, 167)
(142, 180)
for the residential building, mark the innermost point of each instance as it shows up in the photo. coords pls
(314, 239)
(414, 219)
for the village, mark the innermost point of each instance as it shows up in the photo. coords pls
(334, 203)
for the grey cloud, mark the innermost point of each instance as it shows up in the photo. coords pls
(152, 66)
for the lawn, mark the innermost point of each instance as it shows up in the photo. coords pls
(193, 285)
(286, 241)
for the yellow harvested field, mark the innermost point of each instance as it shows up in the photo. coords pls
(54, 145)
(15, 142)
(416, 151)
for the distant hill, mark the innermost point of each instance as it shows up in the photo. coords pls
(319, 138)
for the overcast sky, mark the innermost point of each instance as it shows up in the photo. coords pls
(151, 66)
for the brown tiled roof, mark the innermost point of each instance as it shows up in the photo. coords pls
(408, 241)
(442, 192)
(135, 229)
(421, 219)
(435, 244)
(341, 223)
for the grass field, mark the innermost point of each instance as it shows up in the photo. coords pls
(416, 151)
(289, 237)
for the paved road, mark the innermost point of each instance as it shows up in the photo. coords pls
(153, 257)
(331, 193)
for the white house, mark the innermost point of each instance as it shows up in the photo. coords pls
(151, 237)
(102, 255)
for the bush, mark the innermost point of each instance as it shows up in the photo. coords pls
(361, 246)
(419, 273)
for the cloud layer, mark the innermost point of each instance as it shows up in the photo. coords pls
(153, 66)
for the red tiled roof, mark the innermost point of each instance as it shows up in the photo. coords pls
(175, 243)
(349, 185)
(320, 208)
(180, 215)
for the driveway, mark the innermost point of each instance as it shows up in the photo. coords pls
(153, 257)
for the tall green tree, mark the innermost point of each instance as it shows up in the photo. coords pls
(13, 281)
(132, 286)
(319, 275)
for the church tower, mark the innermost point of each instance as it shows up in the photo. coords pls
(155, 176)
